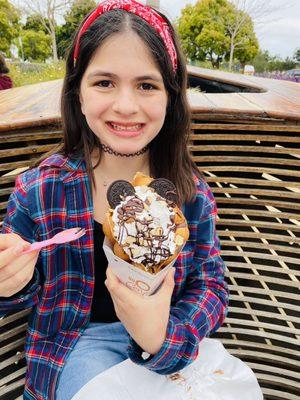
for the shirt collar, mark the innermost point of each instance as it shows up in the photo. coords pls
(71, 163)
(68, 165)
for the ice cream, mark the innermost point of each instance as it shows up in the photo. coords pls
(144, 223)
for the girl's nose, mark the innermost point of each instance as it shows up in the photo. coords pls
(125, 103)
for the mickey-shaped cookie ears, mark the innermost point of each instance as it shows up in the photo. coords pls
(165, 189)
(120, 189)
(117, 192)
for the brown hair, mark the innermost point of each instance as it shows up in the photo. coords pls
(3, 67)
(169, 155)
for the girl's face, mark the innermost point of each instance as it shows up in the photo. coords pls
(122, 94)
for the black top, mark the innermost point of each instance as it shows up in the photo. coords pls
(102, 305)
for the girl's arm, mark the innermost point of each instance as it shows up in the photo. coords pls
(202, 306)
(19, 222)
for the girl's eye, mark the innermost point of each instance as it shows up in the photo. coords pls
(104, 84)
(147, 86)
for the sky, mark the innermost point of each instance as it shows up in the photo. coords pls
(279, 32)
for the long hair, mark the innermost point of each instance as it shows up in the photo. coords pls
(3, 67)
(168, 151)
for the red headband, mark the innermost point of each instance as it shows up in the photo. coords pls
(145, 12)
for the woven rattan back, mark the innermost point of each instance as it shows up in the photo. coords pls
(254, 171)
(19, 150)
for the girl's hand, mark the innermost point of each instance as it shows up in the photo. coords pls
(15, 270)
(144, 317)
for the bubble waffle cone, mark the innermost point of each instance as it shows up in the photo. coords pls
(141, 179)
(144, 224)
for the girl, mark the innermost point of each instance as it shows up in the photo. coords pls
(124, 109)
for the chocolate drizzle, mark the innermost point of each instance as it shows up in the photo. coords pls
(154, 240)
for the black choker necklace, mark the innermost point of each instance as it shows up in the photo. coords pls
(107, 149)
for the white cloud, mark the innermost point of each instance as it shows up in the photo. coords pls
(281, 37)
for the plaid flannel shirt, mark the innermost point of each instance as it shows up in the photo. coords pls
(57, 195)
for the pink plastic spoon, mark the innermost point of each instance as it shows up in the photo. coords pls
(62, 237)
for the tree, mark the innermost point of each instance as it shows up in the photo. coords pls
(278, 64)
(206, 32)
(36, 45)
(79, 9)
(9, 24)
(240, 29)
(201, 37)
(265, 62)
(48, 12)
(240, 21)
(288, 63)
(33, 22)
(297, 55)
(261, 60)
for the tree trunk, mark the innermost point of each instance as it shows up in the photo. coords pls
(231, 54)
(54, 46)
(215, 62)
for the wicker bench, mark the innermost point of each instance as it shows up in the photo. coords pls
(250, 157)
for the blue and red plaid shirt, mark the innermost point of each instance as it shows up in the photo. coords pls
(57, 195)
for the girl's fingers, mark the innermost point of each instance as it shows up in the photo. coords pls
(167, 287)
(14, 266)
(11, 254)
(10, 240)
(11, 286)
(11, 246)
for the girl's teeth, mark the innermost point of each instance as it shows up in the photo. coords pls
(126, 128)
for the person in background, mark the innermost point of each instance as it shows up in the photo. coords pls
(5, 81)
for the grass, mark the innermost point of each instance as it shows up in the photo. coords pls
(30, 73)
(27, 74)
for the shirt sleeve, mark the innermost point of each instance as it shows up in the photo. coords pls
(202, 307)
(18, 221)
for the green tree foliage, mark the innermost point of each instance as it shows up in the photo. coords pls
(264, 62)
(48, 12)
(208, 31)
(297, 55)
(261, 61)
(202, 35)
(275, 63)
(288, 63)
(79, 9)
(33, 22)
(36, 45)
(9, 25)
(35, 41)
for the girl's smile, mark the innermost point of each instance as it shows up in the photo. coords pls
(122, 94)
(125, 129)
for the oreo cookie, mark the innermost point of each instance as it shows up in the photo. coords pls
(118, 191)
(165, 189)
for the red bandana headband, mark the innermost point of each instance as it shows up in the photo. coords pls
(145, 12)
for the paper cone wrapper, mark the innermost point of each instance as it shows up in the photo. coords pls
(134, 278)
